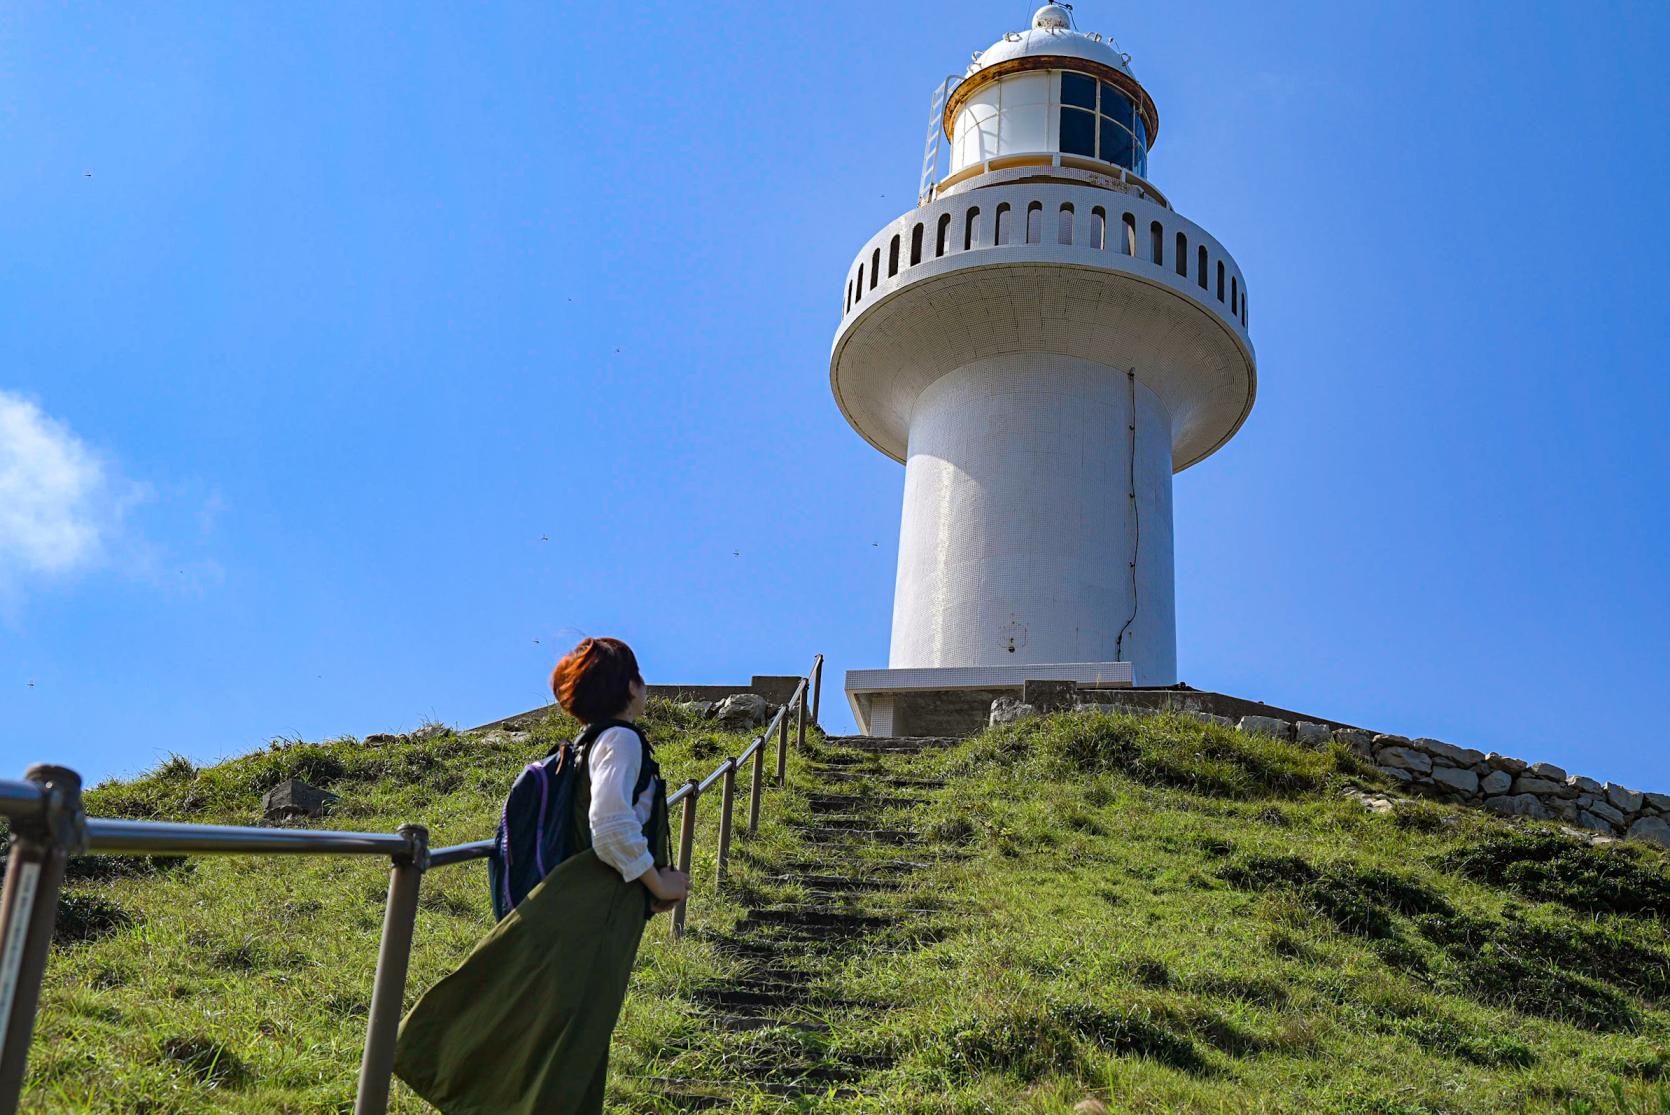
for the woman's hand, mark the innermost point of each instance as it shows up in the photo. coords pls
(666, 884)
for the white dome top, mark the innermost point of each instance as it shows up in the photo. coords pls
(1052, 16)
(1051, 34)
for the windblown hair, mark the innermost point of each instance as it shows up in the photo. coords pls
(594, 680)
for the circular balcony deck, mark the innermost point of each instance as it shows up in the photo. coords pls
(1043, 267)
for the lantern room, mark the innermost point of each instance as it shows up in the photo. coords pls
(1051, 91)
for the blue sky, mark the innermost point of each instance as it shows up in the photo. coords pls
(316, 320)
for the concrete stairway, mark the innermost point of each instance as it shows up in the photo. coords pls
(849, 868)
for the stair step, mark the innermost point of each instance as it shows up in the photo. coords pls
(753, 994)
(890, 743)
(822, 916)
(790, 946)
(838, 803)
(742, 1023)
(762, 932)
(863, 869)
(836, 882)
(836, 833)
(883, 749)
(750, 994)
(910, 858)
(881, 779)
(711, 1093)
(782, 975)
(683, 1095)
(844, 821)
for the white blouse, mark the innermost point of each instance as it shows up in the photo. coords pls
(617, 823)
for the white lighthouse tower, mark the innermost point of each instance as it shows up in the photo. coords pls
(1042, 343)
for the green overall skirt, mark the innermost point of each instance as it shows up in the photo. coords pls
(523, 1026)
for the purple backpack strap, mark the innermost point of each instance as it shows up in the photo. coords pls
(538, 770)
(504, 850)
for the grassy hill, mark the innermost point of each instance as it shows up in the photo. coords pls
(1161, 914)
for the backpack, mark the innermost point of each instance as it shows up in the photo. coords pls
(537, 829)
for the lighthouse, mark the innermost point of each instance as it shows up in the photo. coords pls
(1042, 343)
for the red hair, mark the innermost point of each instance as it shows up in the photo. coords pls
(594, 680)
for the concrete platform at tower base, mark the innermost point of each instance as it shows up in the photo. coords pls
(959, 710)
(957, 700)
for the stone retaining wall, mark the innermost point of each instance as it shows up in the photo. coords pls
(1499, 783)
(1462, 775)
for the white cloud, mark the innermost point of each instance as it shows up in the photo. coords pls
(61, 503)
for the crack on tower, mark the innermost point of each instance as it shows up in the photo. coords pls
(1136, 519)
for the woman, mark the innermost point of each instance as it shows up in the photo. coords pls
(523, 1026)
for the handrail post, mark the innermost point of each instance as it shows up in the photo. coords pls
(782, 745)
(817, 690)
(759, 782)
(727, 798)
(28, 912)
(394, 954)
(800, 720)
(686, 841)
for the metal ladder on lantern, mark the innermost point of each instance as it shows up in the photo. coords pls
(930, 146)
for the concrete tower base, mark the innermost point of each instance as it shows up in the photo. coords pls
(1037, 522)
(955, 700)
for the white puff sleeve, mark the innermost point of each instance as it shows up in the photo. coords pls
(617, 832)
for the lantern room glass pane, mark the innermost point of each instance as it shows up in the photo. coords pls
(1116, 106)
(1078, 132)
(1142, 132)
(1117, 146)
(1078, 89)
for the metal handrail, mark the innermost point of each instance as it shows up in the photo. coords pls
(48, 826)
(707, 783)
(20, 799)
(461, 853)
(137, 838)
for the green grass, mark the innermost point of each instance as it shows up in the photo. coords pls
(1161, 914)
